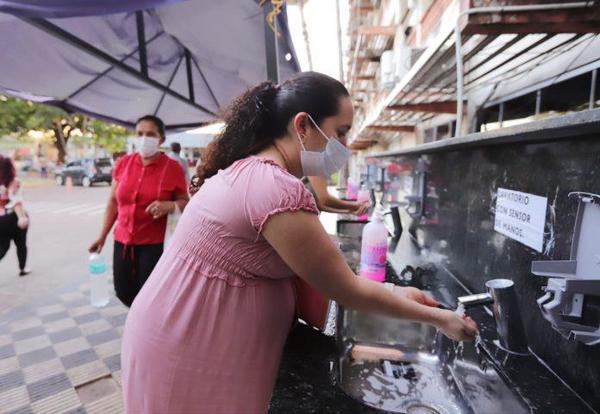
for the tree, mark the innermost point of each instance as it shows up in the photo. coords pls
(108, 136)
(18, 117)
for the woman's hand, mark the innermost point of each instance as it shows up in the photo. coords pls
(157, 209)
(456, 327)
(361, 209)
(23, 222)
(418, 296)
(96, 246)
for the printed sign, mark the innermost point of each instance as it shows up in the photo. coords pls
(521, 217)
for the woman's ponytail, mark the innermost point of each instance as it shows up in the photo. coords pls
(246, 132)
(261, 115)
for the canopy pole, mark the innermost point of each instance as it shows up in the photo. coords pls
(141, 35)
(212, 94)
(339, 40)
(162, 98)
(188, 69)
(271, 44)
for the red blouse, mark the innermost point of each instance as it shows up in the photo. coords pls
(138, 186)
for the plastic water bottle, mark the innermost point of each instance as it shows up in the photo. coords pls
(363, 196)
(98, 280)
(373, 252)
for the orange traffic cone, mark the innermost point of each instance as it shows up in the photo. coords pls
(69, 184)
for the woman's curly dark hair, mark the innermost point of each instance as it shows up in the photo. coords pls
(7, 171)
(261, 115)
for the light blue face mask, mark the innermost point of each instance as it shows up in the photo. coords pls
(324, 163)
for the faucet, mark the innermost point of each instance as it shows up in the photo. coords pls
(397, 222)
(501, 295)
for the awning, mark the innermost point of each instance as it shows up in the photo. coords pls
(181, 60)
(500, 48)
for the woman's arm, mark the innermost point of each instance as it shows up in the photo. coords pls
(181, 200)
(161, 208)
(110, 216)
(16, 203)
(158, 209)
(22, 219)
(322, 265)
(327, 202)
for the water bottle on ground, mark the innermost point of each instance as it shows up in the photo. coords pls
(98, 280)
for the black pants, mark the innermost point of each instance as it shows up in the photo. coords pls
(131, 267)
(10, 231)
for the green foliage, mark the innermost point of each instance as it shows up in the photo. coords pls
(108, 136)
(18, 117)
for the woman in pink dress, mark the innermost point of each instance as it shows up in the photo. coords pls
(206, 332)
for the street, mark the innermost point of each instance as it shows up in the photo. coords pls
(63, 224)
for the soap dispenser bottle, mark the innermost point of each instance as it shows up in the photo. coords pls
(351, 189)
(373, 253)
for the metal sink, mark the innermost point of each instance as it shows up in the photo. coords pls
(428, 374)
(351, 229)
(349, 234)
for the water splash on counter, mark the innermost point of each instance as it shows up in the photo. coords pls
(404, 388)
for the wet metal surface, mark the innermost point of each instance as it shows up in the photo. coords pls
(434, 372)
(458, 234)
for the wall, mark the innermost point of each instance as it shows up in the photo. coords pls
(462, 186)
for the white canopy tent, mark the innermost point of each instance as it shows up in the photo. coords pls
(183, 61)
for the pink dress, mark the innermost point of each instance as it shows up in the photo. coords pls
(206, 332)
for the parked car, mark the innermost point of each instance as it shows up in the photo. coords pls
(27, 164)
(86, 172)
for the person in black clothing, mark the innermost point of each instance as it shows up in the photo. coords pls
(13, 218)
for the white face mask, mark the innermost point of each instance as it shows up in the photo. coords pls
(324, 163)
(147, 146)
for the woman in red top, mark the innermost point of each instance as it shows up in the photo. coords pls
(147, 186)
(13, 218)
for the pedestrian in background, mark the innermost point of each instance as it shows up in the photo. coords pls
(147, 187)
(176, 155)
(330, 204)
(13, 217)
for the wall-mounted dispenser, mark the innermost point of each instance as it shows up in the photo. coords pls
(572, 300)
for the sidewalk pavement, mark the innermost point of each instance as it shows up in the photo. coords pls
(59, 354)
(62, 355)
(33, 180)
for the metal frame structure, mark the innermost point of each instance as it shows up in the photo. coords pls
(271, 45)
(141, 74)
(493, 52)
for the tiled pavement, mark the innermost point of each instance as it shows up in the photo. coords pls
(61, 355)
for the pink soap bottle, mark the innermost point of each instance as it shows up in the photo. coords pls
(351, 189)
(373, 253)
(363, 197)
